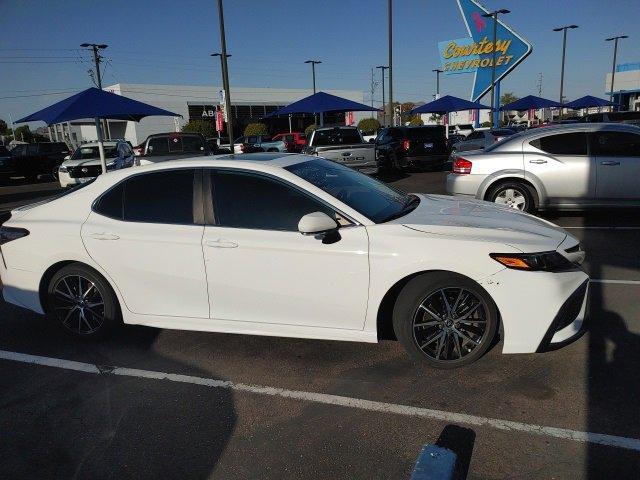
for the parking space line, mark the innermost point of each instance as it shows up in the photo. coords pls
(336, 400)
(618, 282)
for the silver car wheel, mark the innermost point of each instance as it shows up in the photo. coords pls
(78, 304)
(512, 198)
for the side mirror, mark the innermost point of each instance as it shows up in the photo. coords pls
(316, 223)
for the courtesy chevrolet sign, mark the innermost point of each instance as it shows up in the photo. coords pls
(474, 54)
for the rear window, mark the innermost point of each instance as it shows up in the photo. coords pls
(421, 133)
(87, 153)
(337, 136)
(465, 126)
(562, 144)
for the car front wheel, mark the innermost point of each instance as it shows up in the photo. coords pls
(513, 195)
(82, 302)
(445, 319)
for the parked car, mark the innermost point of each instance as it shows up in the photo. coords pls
(294, 246)
(631, 117)
(172, 144)
(7, 167)
(294, 140)
(264, 143)
(343, 145)
(34, 159)
(563, 166)
(400, 148)
(218, 145)
(85, 163)
(481, 139)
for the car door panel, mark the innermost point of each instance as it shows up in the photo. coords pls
(617, 157)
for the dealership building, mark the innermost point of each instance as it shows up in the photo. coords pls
(199, 103)
(626, 86)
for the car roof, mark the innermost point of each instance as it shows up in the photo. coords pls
(577, 127)
(106, 143)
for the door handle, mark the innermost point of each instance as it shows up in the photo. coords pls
(537, 161)
(346, 154)
(220, 243)
(609, 162)
(104, 236)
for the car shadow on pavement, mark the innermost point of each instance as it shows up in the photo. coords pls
(57, 423)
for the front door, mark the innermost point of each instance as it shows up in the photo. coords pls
(261, 269)
(144, 235)
(617, 156)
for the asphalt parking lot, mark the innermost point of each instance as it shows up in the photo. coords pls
(151, 403)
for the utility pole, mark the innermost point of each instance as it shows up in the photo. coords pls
(97, 59)
(390, 63)
(374, 84)
(384, 110)
(540, 84)
(96, 47)
(564, 49)
(221, 70)
(615, 55)
(494, 15)
(225, 76)
(313, 75)
(438, 72)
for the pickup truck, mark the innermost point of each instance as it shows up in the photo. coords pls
(343, 145)
(161, 147)
(263, 143)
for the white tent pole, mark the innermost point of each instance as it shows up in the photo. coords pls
(103, 161)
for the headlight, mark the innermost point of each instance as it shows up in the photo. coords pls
(535, 262)
(63, 168)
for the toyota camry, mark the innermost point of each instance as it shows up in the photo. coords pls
(294, 246)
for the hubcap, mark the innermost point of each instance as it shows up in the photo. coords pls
(78, 304)
(449, 324)
(512, 198)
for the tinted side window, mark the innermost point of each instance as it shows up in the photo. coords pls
(160, 197)
(245, 200)
(562, 144)
(32, 149)
(160, 145)
(110, 204)
(192, 143)
(615, 144)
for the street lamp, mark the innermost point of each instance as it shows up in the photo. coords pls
(384, 110)
(494, 15)
(615, 54)
(564, 49)
(221, 70)
(438, 72)
(313, 71)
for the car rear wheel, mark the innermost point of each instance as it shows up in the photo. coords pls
(514, 195)
(54, 173)
(445, 319)
(82, 302)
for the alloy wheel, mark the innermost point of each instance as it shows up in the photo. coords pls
(512, 198)
(449, 324)
(78, 304)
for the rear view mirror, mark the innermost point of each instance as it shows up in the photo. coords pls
(316, 223)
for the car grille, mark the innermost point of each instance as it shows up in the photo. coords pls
(84, 171)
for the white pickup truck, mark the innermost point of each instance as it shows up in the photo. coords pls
(343, 145)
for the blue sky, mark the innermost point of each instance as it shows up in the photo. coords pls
(169, 42)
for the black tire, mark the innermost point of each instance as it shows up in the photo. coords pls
(95, 315)
(54, 173)
(410, 320)
(520, 190)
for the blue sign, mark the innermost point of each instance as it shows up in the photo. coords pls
(475, 54)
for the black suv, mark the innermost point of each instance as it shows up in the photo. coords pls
(400, 148)
(34, 159)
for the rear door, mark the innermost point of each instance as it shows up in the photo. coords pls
(562, 163)
(617, 157)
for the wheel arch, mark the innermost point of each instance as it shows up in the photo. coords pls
(533, 190)
(384, 316)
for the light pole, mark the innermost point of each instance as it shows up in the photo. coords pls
(438, 72)
(494, 15)
(96, 47)
(615, 54)
(220, 55)
(313, 71)
(564, 49)
(390, 62)
(225, 75)
(384, 109)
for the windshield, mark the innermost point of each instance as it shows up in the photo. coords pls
(373, 199)
(510, 138)
(88, 153)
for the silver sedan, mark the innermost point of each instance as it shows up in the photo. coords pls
(564, 166)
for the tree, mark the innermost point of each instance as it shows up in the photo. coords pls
(3, 126)
(255, 129)
(310, 129)
(416, 121)
(204, 127)
(508, 97)
(369, 125)
(23, 134)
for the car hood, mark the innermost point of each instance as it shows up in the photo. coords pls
(484, 221)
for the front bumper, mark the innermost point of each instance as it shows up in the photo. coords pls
(66, 181)
(540, 310)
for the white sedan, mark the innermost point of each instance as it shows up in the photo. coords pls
(294, 246)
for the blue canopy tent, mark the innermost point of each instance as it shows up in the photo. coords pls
(322, 102)
(589, 101)
(97, 104)
(530, 102)
(448, 104)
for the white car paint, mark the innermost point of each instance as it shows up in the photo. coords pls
(284, 283)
